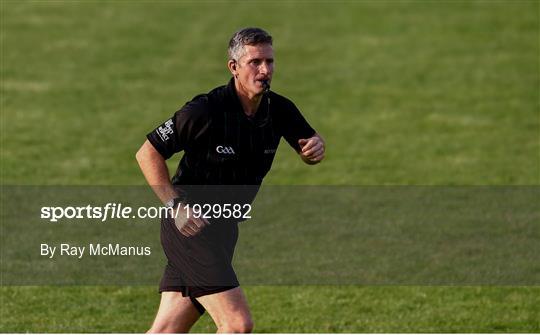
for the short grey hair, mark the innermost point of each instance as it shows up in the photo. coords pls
(246, 36)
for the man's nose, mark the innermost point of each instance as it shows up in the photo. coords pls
(265, 68)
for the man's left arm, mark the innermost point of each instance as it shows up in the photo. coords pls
(312, 149)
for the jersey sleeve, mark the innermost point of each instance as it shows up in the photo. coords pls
(182, 130)
(295, 126)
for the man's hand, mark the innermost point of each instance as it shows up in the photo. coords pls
(312, 149)
(186, 223)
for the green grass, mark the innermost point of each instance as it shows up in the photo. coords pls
(404, 93)
(423, 93)
(286, 309)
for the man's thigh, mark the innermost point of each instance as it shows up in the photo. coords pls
(176, 314)
(226, 307)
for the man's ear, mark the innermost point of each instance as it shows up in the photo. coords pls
(231, 64)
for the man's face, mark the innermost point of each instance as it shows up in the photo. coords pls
(254, 67)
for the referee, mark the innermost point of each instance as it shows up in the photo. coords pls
(229, 136)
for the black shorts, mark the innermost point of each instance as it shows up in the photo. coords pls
(201, 264)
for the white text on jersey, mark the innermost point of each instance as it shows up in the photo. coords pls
(165, 130)
(225, 150)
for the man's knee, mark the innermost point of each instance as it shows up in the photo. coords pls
(169, 327)
(162, 329)
(237, 325)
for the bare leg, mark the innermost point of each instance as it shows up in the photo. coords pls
(229, 310)
(176, 314)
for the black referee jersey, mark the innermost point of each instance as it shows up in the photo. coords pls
(221, 144)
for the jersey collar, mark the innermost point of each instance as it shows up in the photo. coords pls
(263, 113)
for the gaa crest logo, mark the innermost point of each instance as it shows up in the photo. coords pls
(225, 150)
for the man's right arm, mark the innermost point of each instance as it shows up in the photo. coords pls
(155, 171)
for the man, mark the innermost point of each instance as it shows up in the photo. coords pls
(229, 137)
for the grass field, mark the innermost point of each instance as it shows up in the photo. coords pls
(286, 309)
(405, 93)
